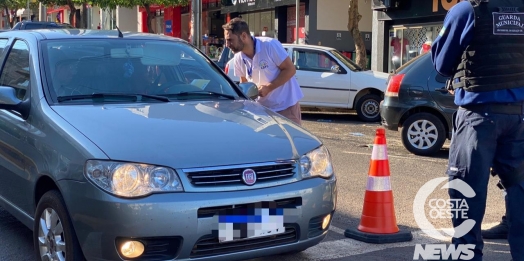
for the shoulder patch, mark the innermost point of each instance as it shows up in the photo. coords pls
(442, 31)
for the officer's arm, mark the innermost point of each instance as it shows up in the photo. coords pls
(453, 39)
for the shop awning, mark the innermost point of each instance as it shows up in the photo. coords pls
(51, 10)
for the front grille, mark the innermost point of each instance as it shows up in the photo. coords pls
(282, 203)
(209, 245)
(232, 175)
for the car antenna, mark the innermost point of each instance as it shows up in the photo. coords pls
(120, 35)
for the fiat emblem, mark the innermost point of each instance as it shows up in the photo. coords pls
(249, 177)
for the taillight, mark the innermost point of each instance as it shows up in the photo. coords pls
(227, 68)
(394, 85)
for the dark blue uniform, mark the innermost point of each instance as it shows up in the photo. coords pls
(481, 138)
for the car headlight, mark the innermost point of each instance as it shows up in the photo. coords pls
(132, 179)
(316, 163)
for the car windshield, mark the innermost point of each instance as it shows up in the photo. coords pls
(83, 69)
(349, 63)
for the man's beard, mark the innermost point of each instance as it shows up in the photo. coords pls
(238, 48)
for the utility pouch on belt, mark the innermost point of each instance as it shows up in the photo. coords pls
(449, 85)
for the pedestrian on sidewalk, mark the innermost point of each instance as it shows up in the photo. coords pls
(265, 62)
(481, 51)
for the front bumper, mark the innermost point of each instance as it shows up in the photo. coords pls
(184, 221)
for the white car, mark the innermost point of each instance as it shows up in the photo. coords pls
(331, 80)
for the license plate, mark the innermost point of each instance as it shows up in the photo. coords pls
(241, 224)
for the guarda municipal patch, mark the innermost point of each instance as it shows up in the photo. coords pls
(508, 23)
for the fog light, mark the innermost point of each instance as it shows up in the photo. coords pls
(132, 249)
(325, 222)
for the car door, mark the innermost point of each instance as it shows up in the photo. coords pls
(437, 89)
(321, 86)
(15, 166)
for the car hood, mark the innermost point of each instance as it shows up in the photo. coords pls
(190, 134)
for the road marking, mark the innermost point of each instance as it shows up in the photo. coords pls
(349, 247)
(337, 230)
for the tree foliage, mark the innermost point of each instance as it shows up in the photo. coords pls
(353, 20)
(7, 5)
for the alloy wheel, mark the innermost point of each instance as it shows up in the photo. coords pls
(51, 238)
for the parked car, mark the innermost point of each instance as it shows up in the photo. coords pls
(330, 80)
(112, 150)
(31, 25)
(418, 102)
(225, 56)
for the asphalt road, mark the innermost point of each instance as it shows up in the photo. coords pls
(349, 142)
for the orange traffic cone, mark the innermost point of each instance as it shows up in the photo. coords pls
(378, 223)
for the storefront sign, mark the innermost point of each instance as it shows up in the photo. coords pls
(169, 26)
(241, 6)
(439, 5)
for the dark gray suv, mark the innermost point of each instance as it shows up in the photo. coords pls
(417, 101)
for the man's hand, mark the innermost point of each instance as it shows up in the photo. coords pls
(264, 90)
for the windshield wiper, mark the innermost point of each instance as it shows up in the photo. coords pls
(207, 93)
(103, 96)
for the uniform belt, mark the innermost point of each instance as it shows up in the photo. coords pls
(497, 108)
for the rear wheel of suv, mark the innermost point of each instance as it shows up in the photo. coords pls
(368, 108)
(423, 134)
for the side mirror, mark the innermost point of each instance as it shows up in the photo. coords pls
(8, 97)
(9, 101)
(250, 89)
(335, 69)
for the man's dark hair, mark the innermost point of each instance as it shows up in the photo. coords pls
(237, 26)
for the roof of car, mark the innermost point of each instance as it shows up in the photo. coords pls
(307, 46)
(64, 33)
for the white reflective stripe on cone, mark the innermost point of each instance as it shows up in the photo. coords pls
(378, 183)
(380, 152)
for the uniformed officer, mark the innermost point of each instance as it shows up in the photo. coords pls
(481, 49)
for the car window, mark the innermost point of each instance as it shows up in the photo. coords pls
(16, 69)
(310, 60)
(410, 62)
(129, 66)
(30, 26)
(348, 62)
(3, 43)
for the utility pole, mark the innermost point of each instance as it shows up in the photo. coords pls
(196, 22)
(297, 20)
(28, 12)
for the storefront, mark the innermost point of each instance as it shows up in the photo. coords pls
(408, 30)
(271, 18)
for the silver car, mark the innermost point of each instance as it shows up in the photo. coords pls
(129, 146)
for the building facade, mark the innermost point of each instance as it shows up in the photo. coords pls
(405, 30)
(321, 22)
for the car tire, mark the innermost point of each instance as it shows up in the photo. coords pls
(424, 126)
(368, 108)
(51, 209)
